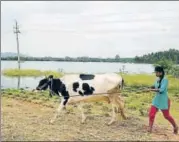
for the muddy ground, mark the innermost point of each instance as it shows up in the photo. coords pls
(21, 120)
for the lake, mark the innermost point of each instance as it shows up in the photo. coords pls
(68, 67)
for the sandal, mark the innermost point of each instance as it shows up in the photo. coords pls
(149, 130)
(175, 130)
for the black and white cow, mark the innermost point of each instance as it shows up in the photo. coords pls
(80, 84)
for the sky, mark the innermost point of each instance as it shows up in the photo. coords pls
(90, 28)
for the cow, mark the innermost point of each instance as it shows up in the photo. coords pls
(84, 87)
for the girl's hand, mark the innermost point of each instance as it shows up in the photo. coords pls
(147, 90)
(155, 90)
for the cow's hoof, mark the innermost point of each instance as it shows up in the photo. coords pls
(111, 122)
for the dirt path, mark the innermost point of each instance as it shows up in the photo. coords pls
(28, 121)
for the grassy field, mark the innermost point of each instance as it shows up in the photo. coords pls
(25, 116)
(29, 73)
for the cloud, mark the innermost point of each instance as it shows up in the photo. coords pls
(86, 28)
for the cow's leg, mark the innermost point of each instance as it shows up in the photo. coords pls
(80, 107)
(60, 108)
(121, 109)
(112, 101)
(120, 105)
(117, 103)
(123, 114)
(113, 115)
(50, 94)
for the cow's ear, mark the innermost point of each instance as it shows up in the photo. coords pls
(50, 76)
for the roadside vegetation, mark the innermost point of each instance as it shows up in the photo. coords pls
(29, 73)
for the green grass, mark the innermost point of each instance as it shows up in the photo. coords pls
(135, 99)
(139, 101)
(146, 80)
(35, 97)
(29, 73)
(136, 107)
(138, 79)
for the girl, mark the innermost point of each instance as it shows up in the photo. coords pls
(161, 100)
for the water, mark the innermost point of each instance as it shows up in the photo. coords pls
(68, 67)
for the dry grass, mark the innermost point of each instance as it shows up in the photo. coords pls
(27, 121)
(22, 120)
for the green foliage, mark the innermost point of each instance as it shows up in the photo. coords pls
(70, 59)
(55, 74)
(136, 80)
(24, 72)
(175, 71)
(169, 67)
(166, 64)
(35, 97)
(29, 72)
(171, 54)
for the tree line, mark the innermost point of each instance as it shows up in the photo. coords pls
(171, 55)
(70, 59)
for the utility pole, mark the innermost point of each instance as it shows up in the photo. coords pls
(17, 31)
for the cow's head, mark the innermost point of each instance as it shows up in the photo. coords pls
(54, 84)
(43, 84)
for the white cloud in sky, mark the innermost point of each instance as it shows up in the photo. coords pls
(86, 28)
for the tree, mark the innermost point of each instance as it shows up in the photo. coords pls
(166, 64)
(171, 54)
(175, 71)
(117, 57)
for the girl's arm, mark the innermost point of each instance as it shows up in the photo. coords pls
(155, 90)
(162, 88)
(152, 87)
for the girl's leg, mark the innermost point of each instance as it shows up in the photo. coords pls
(167, 116)
(152, 113)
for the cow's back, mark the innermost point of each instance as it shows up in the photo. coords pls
(101, 82)
(105, 82)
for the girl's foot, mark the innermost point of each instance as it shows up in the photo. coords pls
(149, 130)
(175, 130)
